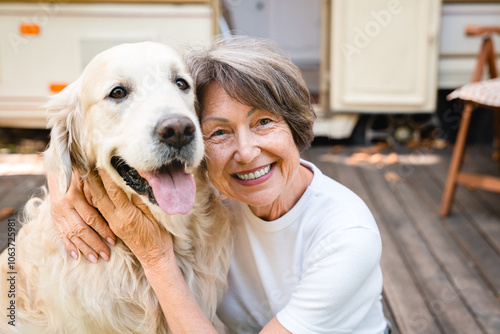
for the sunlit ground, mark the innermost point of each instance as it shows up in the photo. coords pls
(21, 164)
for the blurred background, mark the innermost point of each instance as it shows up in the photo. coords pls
(378, 70)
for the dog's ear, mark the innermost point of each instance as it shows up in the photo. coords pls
(66, 121)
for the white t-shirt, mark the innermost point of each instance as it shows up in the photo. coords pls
(316, 268)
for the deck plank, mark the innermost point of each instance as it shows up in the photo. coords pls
(478, 160)
(451, 311)
(450, 314)
(474, 303)
(16, 197)
(411, 314)
(446, 237)
(476, 229)
(8, 183)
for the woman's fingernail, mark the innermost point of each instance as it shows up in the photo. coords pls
(92, 258)
(104, 256)
(111, 241)
(74, 255)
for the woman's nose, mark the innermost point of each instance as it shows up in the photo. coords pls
(247, 149)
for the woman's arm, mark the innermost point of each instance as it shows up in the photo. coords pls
(132, 222)
(80, 225)
(274, 327)
(181, 309)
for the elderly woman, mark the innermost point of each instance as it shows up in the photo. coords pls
(307, 249)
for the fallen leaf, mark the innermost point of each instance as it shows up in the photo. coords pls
(359, 157)
(495, 156)
(376, 148)
(336, 149)
(392, 177)
(326, 157)
(440, 143)
(391, 159)
(7, 212)
(375, 158)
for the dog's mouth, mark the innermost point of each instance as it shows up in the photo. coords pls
(169, 186)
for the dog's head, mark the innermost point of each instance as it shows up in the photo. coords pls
(131, 113)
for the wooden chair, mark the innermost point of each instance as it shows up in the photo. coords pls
(487, 94)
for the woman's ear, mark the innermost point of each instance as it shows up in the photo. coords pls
(66, 121)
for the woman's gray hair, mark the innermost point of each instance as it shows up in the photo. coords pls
(256, 73)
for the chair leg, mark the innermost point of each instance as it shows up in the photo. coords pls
(456, 160)
(496, 143)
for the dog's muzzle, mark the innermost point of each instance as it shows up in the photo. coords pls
(168, 186)
(176, 131)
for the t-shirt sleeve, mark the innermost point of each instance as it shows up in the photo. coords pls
(341, 279)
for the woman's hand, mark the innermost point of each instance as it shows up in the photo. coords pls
(131, 221)
(80, 225)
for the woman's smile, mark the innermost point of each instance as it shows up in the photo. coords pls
(255, 177)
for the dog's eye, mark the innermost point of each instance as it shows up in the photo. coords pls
(118, 93)
(182, 84)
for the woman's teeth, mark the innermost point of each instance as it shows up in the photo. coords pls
(254, 175)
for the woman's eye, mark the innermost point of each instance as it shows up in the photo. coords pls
(118, 93)
(264, 121)
(218, 133)
(182, 84)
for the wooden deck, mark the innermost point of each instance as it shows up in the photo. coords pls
(441, 275)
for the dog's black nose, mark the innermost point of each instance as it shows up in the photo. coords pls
(176, 131)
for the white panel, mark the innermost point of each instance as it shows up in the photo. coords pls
(384, 55)
(90, 46)
(295, 24)
(72, 34)
(458, 51)
(455, 17)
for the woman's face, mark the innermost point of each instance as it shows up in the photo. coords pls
(251, 156)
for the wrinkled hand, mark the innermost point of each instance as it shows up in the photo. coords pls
(80, 225)
(130, 220)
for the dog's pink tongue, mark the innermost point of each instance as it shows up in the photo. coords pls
(174, 190)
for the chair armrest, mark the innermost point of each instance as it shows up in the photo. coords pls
(473, 30)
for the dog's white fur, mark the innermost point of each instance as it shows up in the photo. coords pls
(56, 294)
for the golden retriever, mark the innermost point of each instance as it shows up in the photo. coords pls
(132, 114)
